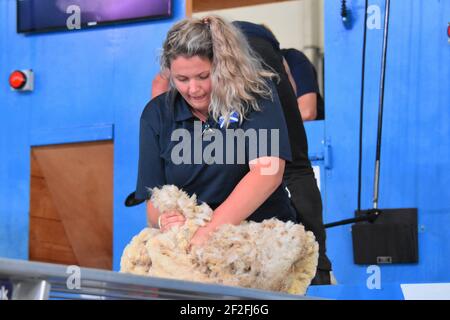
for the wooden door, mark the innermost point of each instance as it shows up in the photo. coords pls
(71, 201)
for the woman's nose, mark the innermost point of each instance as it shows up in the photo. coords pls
(193, 87)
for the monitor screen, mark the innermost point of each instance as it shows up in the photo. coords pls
(51, 15)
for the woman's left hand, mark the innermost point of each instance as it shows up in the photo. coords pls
(200, 237)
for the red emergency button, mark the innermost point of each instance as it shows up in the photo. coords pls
(17, 80)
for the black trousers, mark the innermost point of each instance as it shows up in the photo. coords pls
(299, 176)
(306, 198)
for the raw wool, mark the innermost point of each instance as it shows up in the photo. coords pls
(135, 258)
(271, 255)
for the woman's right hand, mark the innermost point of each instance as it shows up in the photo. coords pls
(169, 219)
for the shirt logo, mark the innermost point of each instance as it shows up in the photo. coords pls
(234, 117)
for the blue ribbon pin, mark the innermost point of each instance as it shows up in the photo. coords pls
(234, 117)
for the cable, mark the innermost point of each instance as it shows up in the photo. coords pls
(344, 13)
(361, 105)
(380, 107)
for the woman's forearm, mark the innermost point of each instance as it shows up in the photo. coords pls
(249, 194)
(307, 105)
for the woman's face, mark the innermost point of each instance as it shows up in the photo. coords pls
(192, 78)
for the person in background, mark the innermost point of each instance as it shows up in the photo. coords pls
(160, 84)
(298, 175)
(304, 77)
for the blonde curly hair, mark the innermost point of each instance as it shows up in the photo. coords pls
(238, 76)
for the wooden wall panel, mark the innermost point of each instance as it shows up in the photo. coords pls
(48, 241)
(80, 180)
(41, 204)
(210, 5)
(189, 4)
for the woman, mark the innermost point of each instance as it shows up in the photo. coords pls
(220, 95)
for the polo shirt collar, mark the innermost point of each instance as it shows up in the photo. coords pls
(182, 111)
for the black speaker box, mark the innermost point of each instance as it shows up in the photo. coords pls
(392, 238)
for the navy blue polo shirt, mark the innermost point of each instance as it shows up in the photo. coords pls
(302, 71)
(305, 76)
(208, 159)
(250, 29)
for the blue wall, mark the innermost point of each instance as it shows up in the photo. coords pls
(415, 155)
(92, 85)
(89, 85)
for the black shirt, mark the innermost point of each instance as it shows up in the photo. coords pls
(264, 44)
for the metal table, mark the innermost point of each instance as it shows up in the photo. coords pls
(36, 280)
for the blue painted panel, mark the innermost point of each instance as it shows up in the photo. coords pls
(388, 291)
(342, 85)
(315, 132)
(88, 83)
(72, 135)
(415, 155)
(14, 150)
